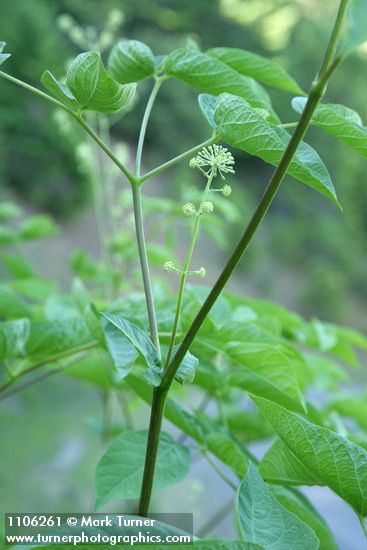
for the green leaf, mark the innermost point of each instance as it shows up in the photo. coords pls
(52, 337)
(3, 56)
(243, 127)
(263, 520)
(187, 369)
(211, 76)
(333, 460)
(356, 25)
(38, 227)
(207, 105)
(141, 341)
(18, 266)
(59, 90)
(256, 66)
(8, 235)
(228, 451)
(279, 465)
(9, 210)
(216, 544)
(267, 370)
(11, 306)
(297, 503)
(120, 471)
(94, 89)
(352, 407)
(14, 335)
(340, 122)
(121, 349)
(180, 418)
(131, 61)
(36, 290)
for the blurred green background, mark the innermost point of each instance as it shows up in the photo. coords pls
(307, 255)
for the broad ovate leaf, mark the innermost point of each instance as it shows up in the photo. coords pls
(119, 473)
(245, 128)
(94, 89)
(187, 370)
(268, 370)
(120, 347)
(207, 105)
(263, 520)
(332, 459)
(138, 338)
(3, 56)
(340, 122)
(258, 67)
(131, 61)
(212, 76)
(59, 90)
(280, 465)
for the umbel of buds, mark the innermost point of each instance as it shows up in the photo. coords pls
(207, 207)
(170, 267)
(212, 160)
(189, 209)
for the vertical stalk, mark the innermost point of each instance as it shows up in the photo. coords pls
(156, 418)
(140, 237)
(159, 397)
(185, 270)
(144, 125)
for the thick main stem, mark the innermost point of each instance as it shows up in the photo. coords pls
(156, 418)
(317, 90)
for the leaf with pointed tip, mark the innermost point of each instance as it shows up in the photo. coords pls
(138, 338)
(356, 25)
(338, 121)
(333, 460)
(187, 369)
(263, 520)
(279, 465)
(92, 86)
(120, 347)
(243, 127)
(296, 502)
(131, 61)
(256, 66)
(207, 105)
(211, 76)
(119, 473)
(59, 90)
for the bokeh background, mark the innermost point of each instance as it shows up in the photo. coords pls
(307, 255)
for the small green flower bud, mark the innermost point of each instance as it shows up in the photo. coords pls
(207, 207)
(169, 266)
(189, 209)
(201, 272)
(226, 190)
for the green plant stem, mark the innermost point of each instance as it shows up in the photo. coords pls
(176, 160)
(159, 397)
(331, 49)
(77, 116)
(43, 376)
(45, 362)
(144, 124)
(155, 425)
(142, 248)
(185, 270)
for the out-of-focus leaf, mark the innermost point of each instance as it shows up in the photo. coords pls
(38, 227)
